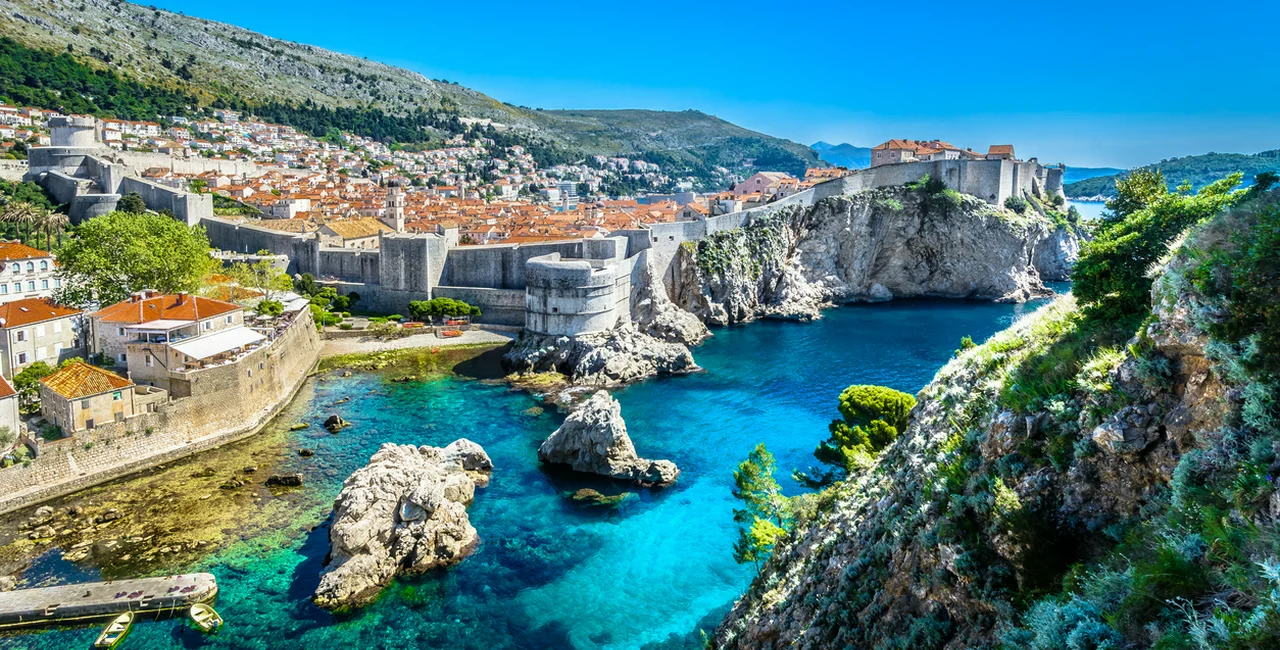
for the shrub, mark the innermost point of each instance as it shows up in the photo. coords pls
(395, 317)
(344, 326)
(1017, 204)
(423, 309)
(873, 416)
(51, 432)
(27, 383)
(270, 307)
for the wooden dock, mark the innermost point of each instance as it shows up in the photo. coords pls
(98, 600)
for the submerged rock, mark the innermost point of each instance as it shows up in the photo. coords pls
(602, 359)
(594, 439)
(404, 512)
(285, 480)
(593, 498)
(334, 423)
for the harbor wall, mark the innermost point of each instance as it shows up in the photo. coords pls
(213, 407)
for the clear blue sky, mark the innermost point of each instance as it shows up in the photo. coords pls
(1115, 83)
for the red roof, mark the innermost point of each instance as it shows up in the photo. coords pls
(12, 250)
(169, 307)
(32, 310)
(6, 389)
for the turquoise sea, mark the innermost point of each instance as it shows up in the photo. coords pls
(549, 573)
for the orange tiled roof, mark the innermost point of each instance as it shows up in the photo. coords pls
(32, 310)
(12, 250)
(6, 389)
(169, 307)
(78, 380)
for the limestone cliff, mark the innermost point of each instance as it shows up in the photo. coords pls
(619, 356)
(594, 439)
(873, 245)
(1054, 490)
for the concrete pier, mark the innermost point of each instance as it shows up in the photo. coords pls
(97, 600)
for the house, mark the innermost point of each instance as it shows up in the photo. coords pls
(893, 151)
(1000, 152)
(37, 329)
(26, 272)
(8, 407)
(356, 233)
(766, 183)
(81, 397)
(150, 317)
(692, 212)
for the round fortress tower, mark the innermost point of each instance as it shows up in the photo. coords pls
(73, 131)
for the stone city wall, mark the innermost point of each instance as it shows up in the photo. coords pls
(141, 161)
(227, 403)
(186, 207)
(13, 170)
(348, 265)
(567, 297)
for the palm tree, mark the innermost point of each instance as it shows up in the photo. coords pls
(54, 222)
(19, 213)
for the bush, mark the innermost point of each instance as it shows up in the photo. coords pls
(1017, 204)
(344, 326)
(306, 285)
(873, 416)
(270, 307)
(424, 309)
(395, 317)
(341, 303)
(27, 383)
(131, 203)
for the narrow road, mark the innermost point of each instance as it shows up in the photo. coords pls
(335, 347)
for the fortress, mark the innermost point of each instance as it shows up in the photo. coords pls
(557, 288)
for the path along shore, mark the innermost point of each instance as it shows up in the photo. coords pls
(335, 347)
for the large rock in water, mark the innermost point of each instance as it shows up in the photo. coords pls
(594, 439)
(404, 512)
(607, 358)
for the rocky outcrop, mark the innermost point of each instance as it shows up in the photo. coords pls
(594, 439)
(602, 359)
(655, 315)
(404, 512)
(870, 246)
(1056, 254)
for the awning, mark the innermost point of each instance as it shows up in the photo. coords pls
(206, 346)
(297, 304)
(162, 325)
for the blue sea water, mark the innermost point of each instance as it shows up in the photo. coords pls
(550, 573)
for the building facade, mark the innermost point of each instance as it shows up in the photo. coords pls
(152, 317)
(26, 272)
(37, 329)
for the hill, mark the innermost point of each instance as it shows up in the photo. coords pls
(1075, 174)
(222, 65)
(843, 155)
(1197, 170)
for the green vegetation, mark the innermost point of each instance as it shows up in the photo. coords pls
(131, 203)
(262, 276)
(766, 514)
(873, 416)
(114, 255)
(1196, 171)
(27, 383)
(421, 310)
(1017, 204)
(1112, 278)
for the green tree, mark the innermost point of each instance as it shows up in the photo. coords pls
(1111, 278)
(262, 276)
(872, 418)
(114, 255)
(27, 383)
(766, 514)
(132, 203)
(305, 284)
(420, 310)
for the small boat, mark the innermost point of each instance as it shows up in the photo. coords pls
(205, 617)
(115, 631)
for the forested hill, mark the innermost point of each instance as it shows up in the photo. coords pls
(186, 60)
(1197, 170)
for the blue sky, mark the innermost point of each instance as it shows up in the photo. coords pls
(1087, 83)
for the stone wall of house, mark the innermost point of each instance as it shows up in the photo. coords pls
(211, 408)
(13, 170)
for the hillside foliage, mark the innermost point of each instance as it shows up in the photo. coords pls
(1196, 171)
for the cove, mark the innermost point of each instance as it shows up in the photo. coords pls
(551, 573)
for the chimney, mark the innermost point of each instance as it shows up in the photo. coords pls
(182, 297)
(136, 296)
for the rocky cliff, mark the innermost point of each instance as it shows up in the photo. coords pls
(874, 245)
(1068, 484)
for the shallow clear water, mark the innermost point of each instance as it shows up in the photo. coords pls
(550, 574)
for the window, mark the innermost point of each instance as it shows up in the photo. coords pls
(57, 283)
(116, 396)
(149, 361)
(228, 319)
(31, 285)
(17, 268)
(119, 331)
(121, 358)
(57, 349)
(40, 330)
(40, 353)
(44, 284)
(57, 327)
(208, 325)
(4, 288)
(31, 267)
(22, 335)
(22, 358)
(17, 287)
(84, 403)
(44, 266)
